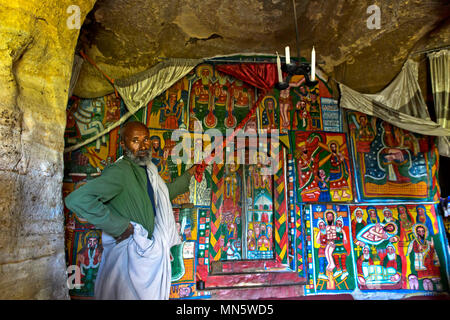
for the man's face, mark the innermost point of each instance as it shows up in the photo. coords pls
(92, 243)
(387, 214)
(390, 228)
(137, 141)
(359, 214)
(421, 232)
(155, 143)
(330, 217)
(362, 120)
(333, 147)
(420, 212)
(391, 250)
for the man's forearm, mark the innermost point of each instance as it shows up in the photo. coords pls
(181, 184)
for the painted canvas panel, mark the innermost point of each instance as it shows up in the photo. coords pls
(295, 108)
(329, 248)
(217, 100)
(322, 163)
(170, 109)
(85, 119)
(398, 247)
(392, 163)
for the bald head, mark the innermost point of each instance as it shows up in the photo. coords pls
(130, 126)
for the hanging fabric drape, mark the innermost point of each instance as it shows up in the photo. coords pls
(76, 68)
(260, 75)
(440, 84)
(138, 90)
(401, 104)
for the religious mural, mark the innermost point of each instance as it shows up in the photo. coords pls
(323, 167)
(330, 248)
(206, 97)
(393, 163)
(294, 220)
(296, 108)
(397, 247)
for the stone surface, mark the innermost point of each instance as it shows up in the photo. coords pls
(124, 37)
(36, 54)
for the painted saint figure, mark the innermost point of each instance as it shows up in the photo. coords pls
(423, 257)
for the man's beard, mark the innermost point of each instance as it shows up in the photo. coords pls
(359, 220)
(139, 160)
(391, 256)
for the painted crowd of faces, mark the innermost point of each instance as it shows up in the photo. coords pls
(380, 247)
(245, 187)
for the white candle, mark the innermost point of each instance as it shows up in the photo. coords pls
(313, 64)
(287, 54)
(280, 75)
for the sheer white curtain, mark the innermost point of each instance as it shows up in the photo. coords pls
(440, 84)
(401, 103)
(138, 90)
(77, 64)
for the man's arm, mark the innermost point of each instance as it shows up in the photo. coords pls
(181, 184)
(89, 200)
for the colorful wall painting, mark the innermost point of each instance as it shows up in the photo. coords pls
(392, 163)
(329, 248)
(259, 214)
(85, 119)
(185, 256)
(295, 108)
(276, 205)
(398, 247)
(323, 167)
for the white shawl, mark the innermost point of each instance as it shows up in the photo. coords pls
(139, 268)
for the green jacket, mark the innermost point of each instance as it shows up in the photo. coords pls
(119, 195)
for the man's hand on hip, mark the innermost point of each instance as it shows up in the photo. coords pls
(128, 232)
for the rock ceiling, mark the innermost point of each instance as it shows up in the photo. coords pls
(128, 36)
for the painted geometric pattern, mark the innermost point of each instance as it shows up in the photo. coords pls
(297, 239)
(281, 214)
(217, 189)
